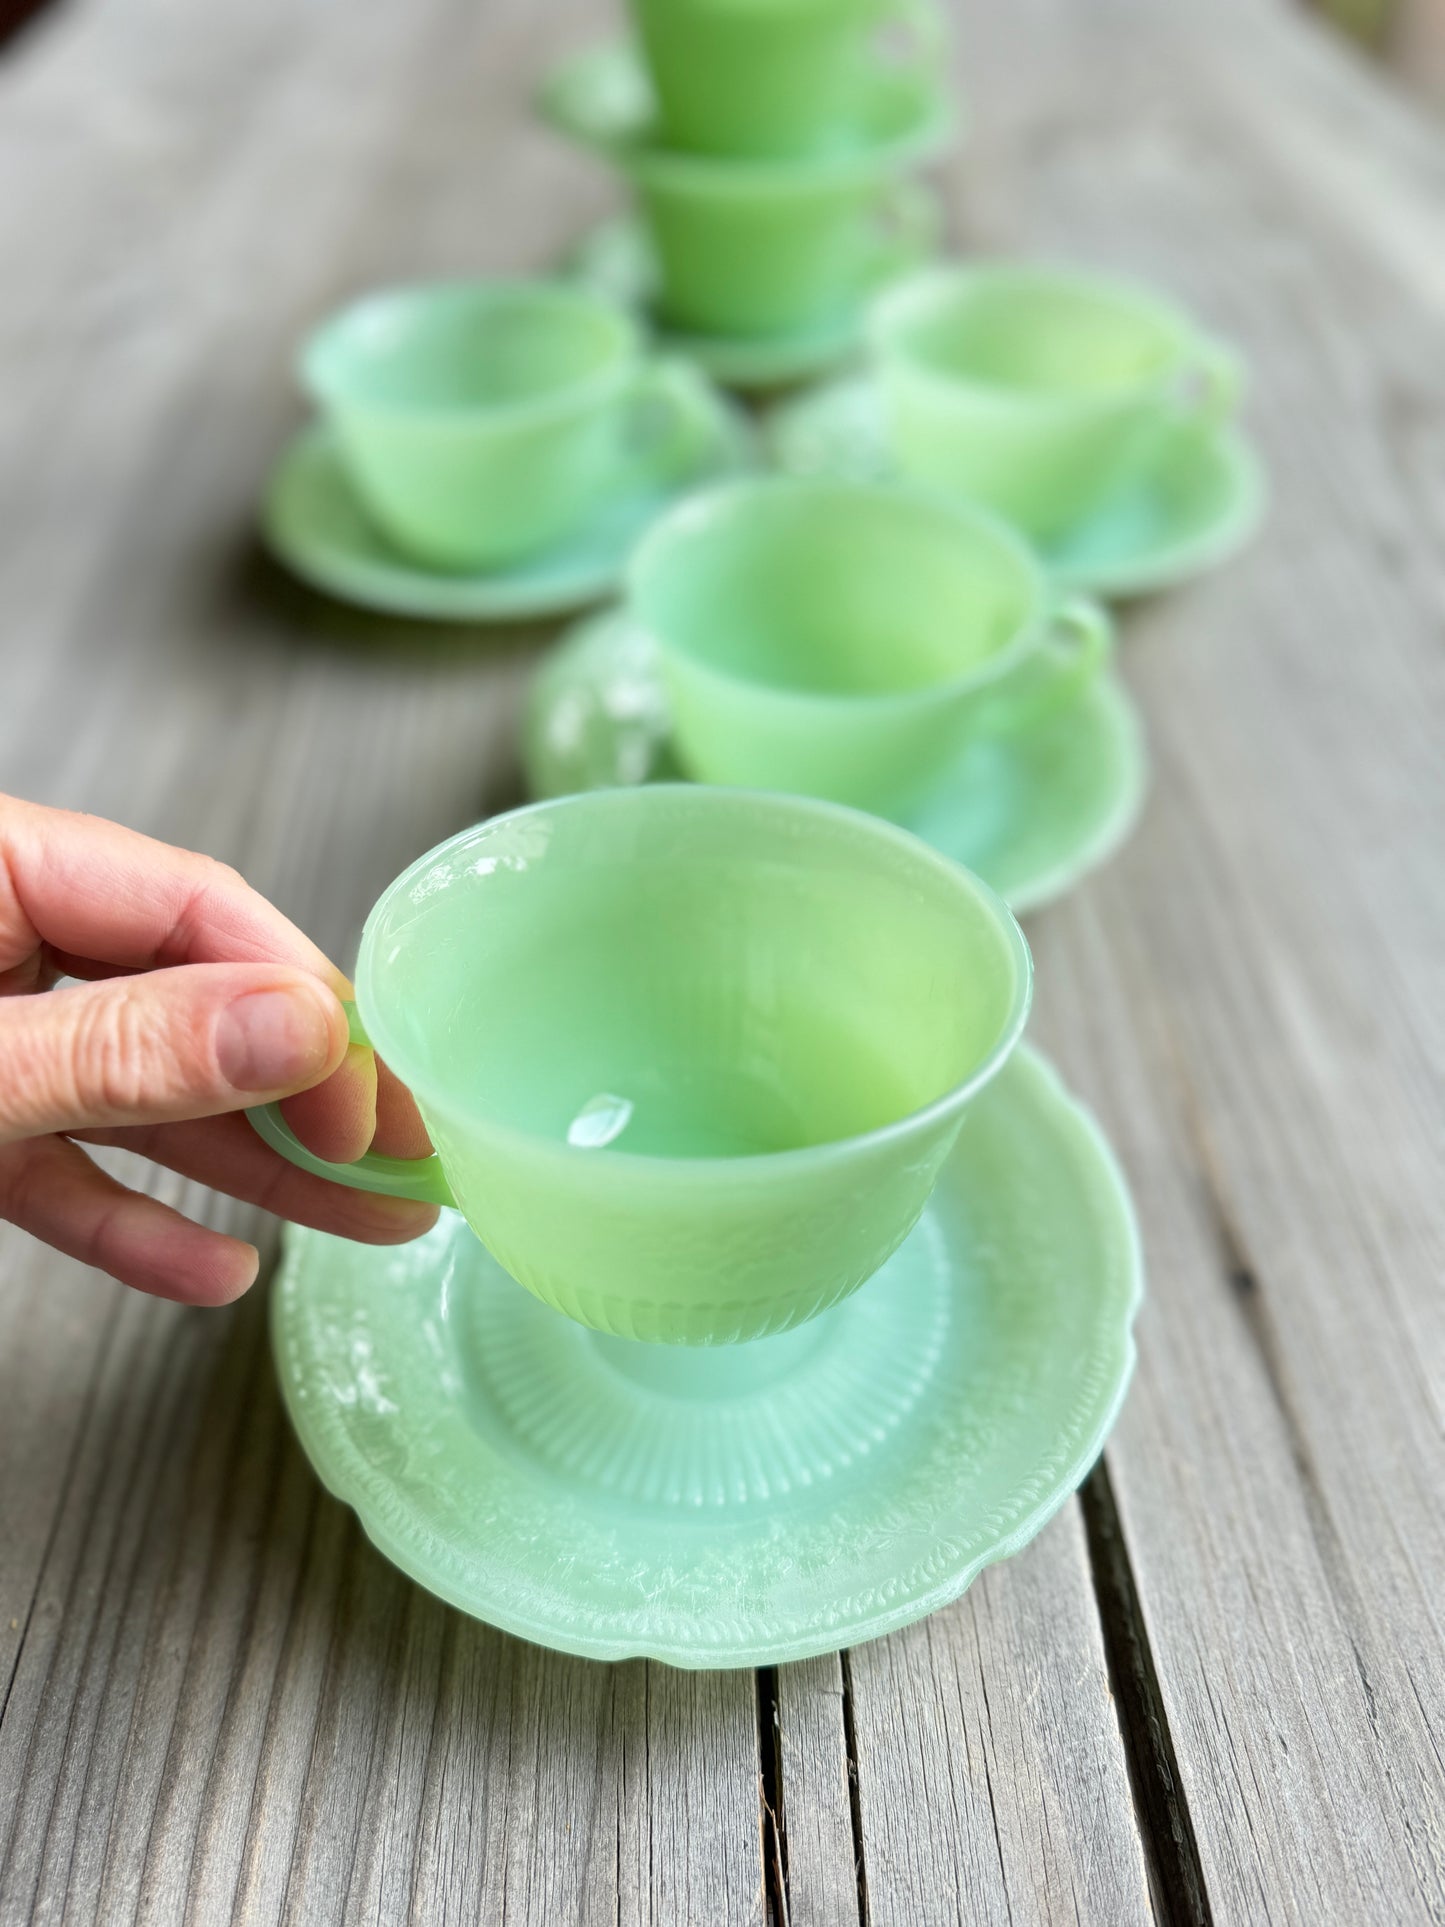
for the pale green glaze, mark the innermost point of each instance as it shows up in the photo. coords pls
(618, 257)
(848, 641)
(792, 256)
(1197, 501)
(315, 524)
(482, 422)
(1031, 812)
(760, 248)
(746, 1507)
(770, 78)
(1038, 391)
(690, 1058)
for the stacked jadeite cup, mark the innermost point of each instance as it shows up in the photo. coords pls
(771, 149)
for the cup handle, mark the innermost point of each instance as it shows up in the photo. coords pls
(1210, 386)
(1077, 648)
(420, 1179)
(670, 422)
(600, 98)
(909, 228)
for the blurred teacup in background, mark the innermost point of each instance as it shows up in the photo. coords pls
(751, 248)
(849, 641)
(482, 421)
(1039, 391)
(766, 248)
(773, 79)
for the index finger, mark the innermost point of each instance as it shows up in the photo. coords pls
(93, 892)
(90, 889)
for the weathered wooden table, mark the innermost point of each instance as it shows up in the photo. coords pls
(1214, 1688)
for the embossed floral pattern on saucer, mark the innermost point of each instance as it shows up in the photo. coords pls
(743, 1505)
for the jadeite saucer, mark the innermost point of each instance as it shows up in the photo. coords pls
(749, 1504)
(1201, 503)
(314, 524)
(1031, 813)
(616, 257)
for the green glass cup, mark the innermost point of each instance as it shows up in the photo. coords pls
(1039, 391)
(691, 1059)
(774, 79)
(481, 422)
(845, 640)
(759, 248)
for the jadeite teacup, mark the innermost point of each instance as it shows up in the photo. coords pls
(691, 1058)
(771, 247)
(773, 79)
(1035, 390)
(845, 640)
(483, 421)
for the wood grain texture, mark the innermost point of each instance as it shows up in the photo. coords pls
(1251, 996)
(970, 1768)
(992, 1780)
(229, 1704)
(817, 1777)
(216, 1701)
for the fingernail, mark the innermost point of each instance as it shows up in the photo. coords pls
(270, 1039)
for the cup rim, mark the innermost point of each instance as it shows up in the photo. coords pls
(327, 391)
(899, 305)
(704, 503)
(750, 1164)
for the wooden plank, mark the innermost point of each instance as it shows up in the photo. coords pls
(242, 1704)
(817, 1786)
(993, 1784)
(976, 1760)
(1251, 996)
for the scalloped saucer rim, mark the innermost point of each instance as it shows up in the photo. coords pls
(1061, 1330)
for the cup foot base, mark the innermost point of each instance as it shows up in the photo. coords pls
(704, 1428)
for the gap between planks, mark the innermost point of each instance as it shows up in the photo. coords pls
(1177, 1886)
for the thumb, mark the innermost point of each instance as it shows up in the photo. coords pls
(163, 1045)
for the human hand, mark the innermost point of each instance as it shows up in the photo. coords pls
(201, 999)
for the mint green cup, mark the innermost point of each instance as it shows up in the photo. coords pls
(770, 247)
(1039, 391)
(848, 641)
(483, 421)
(773, 79)
(691, 1058)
